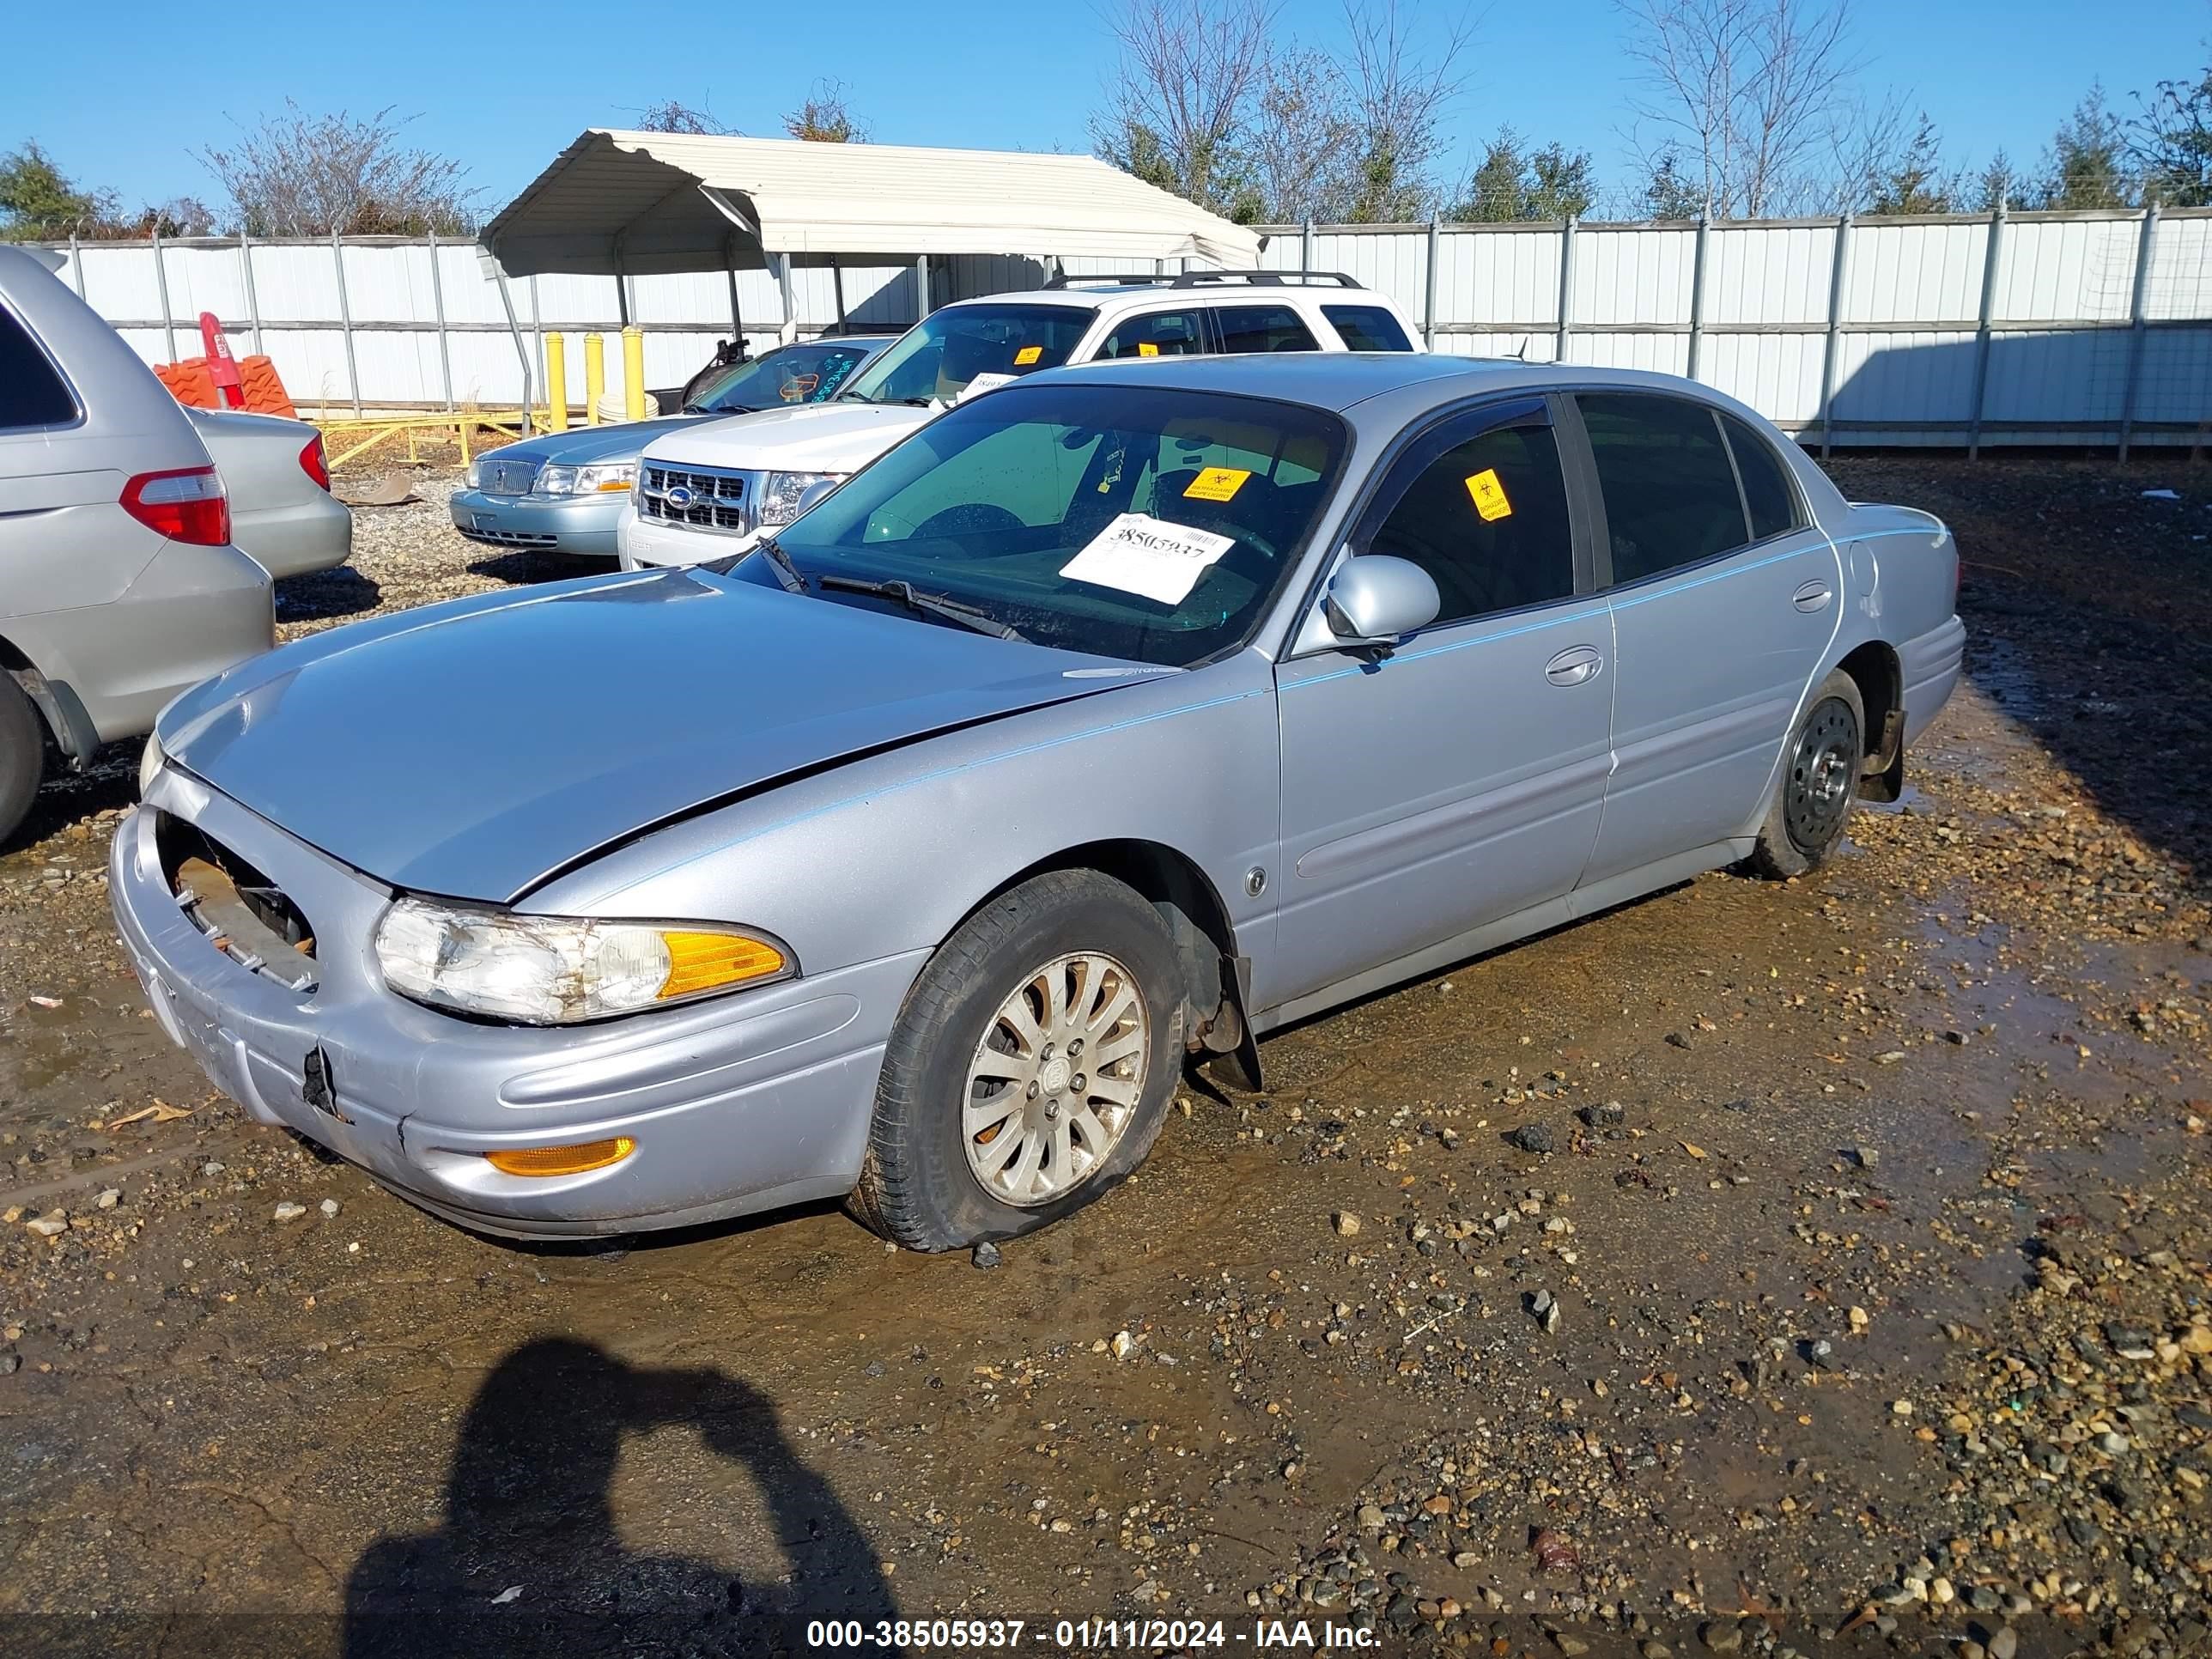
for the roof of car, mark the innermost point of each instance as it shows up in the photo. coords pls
(1338, 380)
(1327, 379)
(1091, 296)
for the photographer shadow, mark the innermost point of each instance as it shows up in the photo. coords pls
(528, 1559)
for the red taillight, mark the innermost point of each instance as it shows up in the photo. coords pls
(312, 462)
(185, 506)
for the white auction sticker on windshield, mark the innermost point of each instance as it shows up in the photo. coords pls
(1139, 554)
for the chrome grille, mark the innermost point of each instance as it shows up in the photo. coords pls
(699, 497)
(497, 477)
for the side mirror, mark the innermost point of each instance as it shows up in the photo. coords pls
(1375, 600)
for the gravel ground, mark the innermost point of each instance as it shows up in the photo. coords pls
(1819, 1267)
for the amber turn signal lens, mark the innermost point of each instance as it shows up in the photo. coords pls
(706, 962)
(563, 1160)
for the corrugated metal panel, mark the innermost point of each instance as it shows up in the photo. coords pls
(2180, 283)
(2049, 269)
(1910, 378)
(1777, 374)
(2078, 375)
(1632, 277)
(1768, 275)
(2177, 368)
(1496, 277)
(1914, 273)
(1665, 354)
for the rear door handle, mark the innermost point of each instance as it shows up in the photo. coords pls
(1814, 596)
(1574, 665)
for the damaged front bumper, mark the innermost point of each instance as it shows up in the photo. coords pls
(744, 1103)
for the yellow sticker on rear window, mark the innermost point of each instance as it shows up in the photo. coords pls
(1027, 356)
(1216, 483)
(1489, 495)
(1146, 349)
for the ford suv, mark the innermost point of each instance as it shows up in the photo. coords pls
(706, 492)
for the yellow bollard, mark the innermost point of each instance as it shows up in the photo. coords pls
(634, 371)
(556, 381)
(595, 376)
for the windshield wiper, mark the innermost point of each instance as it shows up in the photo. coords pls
(932, 605)
(785, 572)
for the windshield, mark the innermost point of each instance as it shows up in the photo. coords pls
(1150, 524)
(789, 375)
(934, 360)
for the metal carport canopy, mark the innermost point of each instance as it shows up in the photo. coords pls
(618, 202)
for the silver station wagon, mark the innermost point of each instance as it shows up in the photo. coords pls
(1118, 715)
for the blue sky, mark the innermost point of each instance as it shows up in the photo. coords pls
(505, 87)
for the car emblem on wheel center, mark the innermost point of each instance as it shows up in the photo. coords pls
(677, 496)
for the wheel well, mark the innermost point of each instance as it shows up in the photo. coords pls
(11, 658)
(1873, 668)
(1190, 908)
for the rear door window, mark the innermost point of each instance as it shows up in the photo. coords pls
(1766, 492)
(31, 392)
(1367, 328)
(1670, 492)
(1263, 328)
(1157, 334)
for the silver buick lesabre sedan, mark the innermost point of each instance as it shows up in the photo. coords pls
(1119, 716)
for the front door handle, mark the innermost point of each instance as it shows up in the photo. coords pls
(1814, 596)
(1575, 665)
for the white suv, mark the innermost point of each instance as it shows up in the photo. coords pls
(708, 491)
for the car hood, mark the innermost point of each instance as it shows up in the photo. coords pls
(471, 748)
(838, 436)
(620, 442)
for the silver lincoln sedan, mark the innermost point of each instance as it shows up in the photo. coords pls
(1116, 716)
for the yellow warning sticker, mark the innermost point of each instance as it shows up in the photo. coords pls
(1216, 483)
(1489, 495)
(1146, 349)
(1027, 356)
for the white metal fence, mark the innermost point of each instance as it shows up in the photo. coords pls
(2034, 328)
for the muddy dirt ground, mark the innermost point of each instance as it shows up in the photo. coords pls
(1852, 1298)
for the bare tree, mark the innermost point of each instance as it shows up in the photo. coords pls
(297, 174)
(1400, 96)
(1190, 72)
(1888, 160)
(1743, 95)
(825, 118)
(1301, 142)
(672, 115)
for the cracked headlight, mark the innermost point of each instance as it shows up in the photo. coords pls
(553, 971)
(785, 495)
(605, 478)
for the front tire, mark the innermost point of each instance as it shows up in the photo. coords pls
(1031, 1067)
(1819, 782)
(22, 756)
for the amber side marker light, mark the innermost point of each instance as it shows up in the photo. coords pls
(563, 1160)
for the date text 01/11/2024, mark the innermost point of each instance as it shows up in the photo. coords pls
(1133, 1635)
